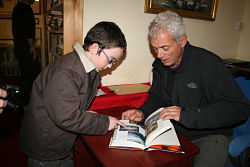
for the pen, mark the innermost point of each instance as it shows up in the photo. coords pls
(115, 90)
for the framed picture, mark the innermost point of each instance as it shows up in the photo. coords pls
(198, 9)
(36, 20)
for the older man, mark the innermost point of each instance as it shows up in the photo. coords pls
(199, 94)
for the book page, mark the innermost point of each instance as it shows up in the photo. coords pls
(167, 139)
(155, 127)
(132, 136)
(152, 118)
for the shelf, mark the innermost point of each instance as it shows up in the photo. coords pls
(54, 54)
(56, 31)
(57, 7)
(4, 45)
(64, 27)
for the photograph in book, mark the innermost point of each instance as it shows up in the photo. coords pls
(153, 134)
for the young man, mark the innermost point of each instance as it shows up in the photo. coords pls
(198, 92)
(62, 94)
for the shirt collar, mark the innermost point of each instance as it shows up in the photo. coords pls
(88, 65)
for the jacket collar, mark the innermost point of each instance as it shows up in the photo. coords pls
(88, 65)
(184, 59)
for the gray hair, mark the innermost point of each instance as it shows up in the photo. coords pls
(170, 21)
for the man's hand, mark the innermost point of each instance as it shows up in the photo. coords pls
(114, 122)
(3, 103)
(134, 115)
(172, 112)
(33, 53)
(32, 48)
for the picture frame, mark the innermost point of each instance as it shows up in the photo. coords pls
(199, 9)
(37, 21)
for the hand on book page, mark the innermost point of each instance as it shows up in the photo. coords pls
(114, 123)
(172, 112)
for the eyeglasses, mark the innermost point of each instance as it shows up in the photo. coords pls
(110, 59)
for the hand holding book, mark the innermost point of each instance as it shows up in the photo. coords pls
(171, 112)
(167, 113)
(153, 134)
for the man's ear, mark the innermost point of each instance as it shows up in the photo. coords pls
(93, 49)
(183, 40)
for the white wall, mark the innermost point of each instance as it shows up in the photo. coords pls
(218, 36)
(244, 46)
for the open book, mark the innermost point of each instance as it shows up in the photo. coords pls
(155, 134)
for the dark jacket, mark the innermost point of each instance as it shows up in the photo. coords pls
(210, 98)
(57, 111)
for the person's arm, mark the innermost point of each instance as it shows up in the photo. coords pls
(29, 30)
(3, 103)
(32, 48)
(113, 122)
(226, 103)
(62, 99)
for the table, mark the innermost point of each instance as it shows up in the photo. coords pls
(109, 100)
(95, 151)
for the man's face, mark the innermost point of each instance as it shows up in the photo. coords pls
(167, 49)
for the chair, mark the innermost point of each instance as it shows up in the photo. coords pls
(239, 148)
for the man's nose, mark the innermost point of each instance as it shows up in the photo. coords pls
(159, 53)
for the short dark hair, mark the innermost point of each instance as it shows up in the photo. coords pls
(106, 35)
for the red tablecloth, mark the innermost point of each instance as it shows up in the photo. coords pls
(110, 100)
